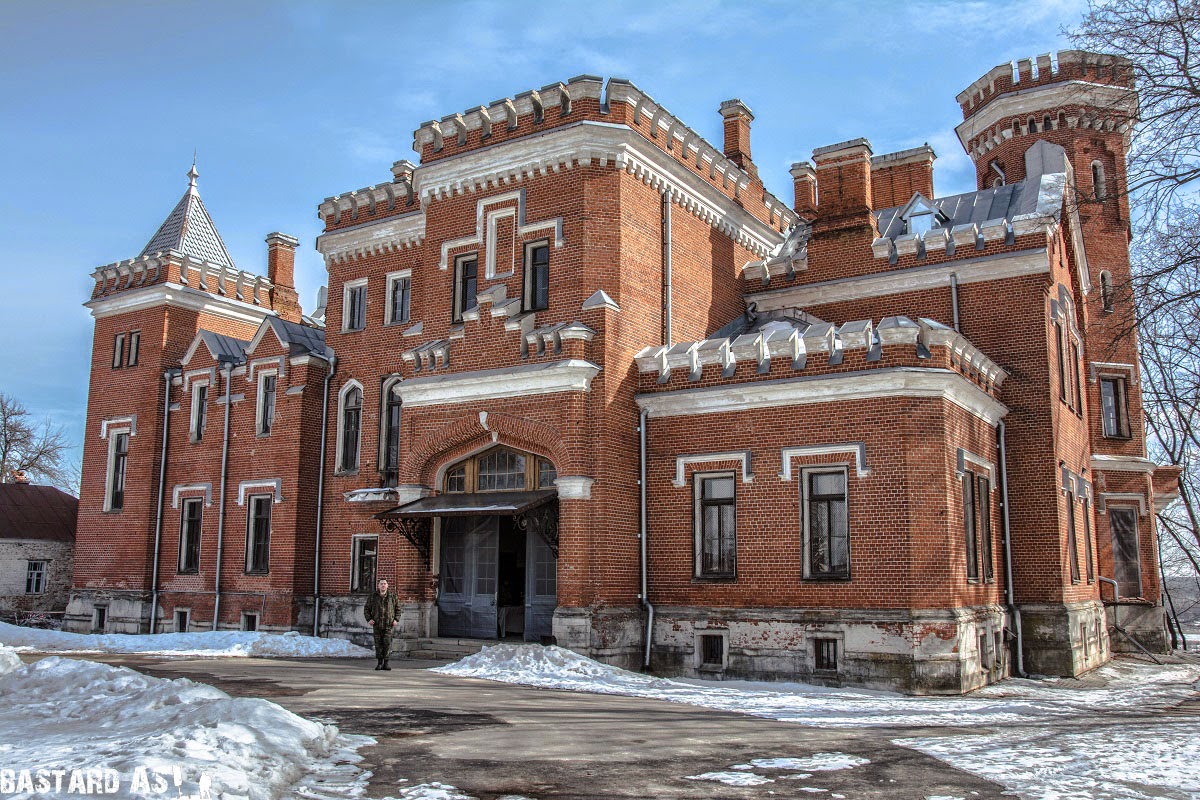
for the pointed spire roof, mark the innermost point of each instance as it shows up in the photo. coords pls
(190, 230)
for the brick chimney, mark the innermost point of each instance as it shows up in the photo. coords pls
(804, 179)
(737, 118)
(281, 271)
(896, 177)
(844, 177)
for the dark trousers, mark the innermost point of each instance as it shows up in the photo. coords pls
(383, 641)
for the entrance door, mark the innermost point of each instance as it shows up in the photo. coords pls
(541, 588)
(467, 597)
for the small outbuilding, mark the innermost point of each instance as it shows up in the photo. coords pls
(37, 547)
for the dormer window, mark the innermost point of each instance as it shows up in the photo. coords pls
(920, 223)
(920, 215)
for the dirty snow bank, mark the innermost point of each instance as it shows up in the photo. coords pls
(1112, 736)
(1129, 687)
(209, 643)
(65, 714)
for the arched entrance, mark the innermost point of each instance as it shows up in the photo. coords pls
(497, 554)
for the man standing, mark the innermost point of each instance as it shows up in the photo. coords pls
(381, 611)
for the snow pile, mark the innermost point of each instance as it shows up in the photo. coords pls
(219, 643)
(1134, 688)
(79, 715)
(9, 660)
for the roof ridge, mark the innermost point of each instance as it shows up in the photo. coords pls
(190, 230)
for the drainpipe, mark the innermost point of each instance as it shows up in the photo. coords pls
(228, 372)
(321, 499)
(162, 477)
(1008, 573)
(666, 261)
(645, 597)
(954, 296)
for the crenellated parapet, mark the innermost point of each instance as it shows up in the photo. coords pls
(189, 271)
(819, 349)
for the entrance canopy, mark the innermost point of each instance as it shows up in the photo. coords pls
(508, 504)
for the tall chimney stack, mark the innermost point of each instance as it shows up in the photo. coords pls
(281, 271)
(737, 118)
(844, 177)
(804, 180)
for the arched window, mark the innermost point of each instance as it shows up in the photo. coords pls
(1016, 127)
(1033, 125)
(1099, 187)
(1106, 290)
(1047, 124)
(500, 469)
(389, 435)
(350, 427)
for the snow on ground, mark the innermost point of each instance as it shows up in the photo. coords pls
(1055, 739)
(733, 778)
(219, 643)
(67, 714)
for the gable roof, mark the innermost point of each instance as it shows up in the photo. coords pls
(298, 338)
(224, 349)
(189, 230)
(36, 512)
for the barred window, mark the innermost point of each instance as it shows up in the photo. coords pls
(258, 534)
(190, 525)
(826, 524)
(351, 423)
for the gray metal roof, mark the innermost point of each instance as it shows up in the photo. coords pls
(1003, 202)
(225, 349)
(300, 339)
(189, 230)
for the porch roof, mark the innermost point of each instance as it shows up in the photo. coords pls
(473, 504)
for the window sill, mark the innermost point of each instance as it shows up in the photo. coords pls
(714, 579)
(257, 572)
(827, 578)
(345, 473)
(1117, 438)
(187, 572)
(352, 330)
(113, 510)
(396, 323)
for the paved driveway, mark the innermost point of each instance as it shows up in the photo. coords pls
(493, 739)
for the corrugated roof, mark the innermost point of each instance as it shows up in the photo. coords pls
(189, 230)
(37, 512)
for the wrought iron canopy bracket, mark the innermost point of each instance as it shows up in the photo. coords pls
(542, 520)
(416, 530)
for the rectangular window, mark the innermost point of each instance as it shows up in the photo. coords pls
(135, 348)
(100, 619)
(118, 354)
(715, 516)
(1114, 407)
(399, 299)
(116, 484)
(199, 411)
(354, 306)
(826, 525)
(1127, 563)
(970, 528)
(712, 650)
(266, 403)
(1087, 541)
(1078, 383)
(825, 655)
(391, 436)
(466, 285)
(364, 557)
(537, 276)
(35, 577)
(249, 621)
(1072, 539)
(984, 503)
(1062, 367)
(182, 620)
(190, 525)
(258, 534)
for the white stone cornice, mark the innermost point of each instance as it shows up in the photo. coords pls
(174, 295)
(248, 487)
(371, 238)
(1107, 463)
(1021, 103)
(571, 375)
(835, 388)
(188, 488)
(682, 463)
(857, 449)
(900, 281)
(574, 487)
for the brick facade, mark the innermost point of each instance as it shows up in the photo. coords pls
(759, 351)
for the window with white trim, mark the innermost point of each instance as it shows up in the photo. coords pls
(349, 426)
(135, 349)
(258, 534)
(971, 524)
(267, 384)
(354, 305)
(118, 458)
(118, 352)
(1072, 538)
(715, 524)
(466, 285)
(1127, 561)
(199, 411)
(399, 294)
(825, 509)
(390, 434)
(1099, 184)
(35, 577)
(191, 521)
(364, 557)
(1114, 407)
(537, 276)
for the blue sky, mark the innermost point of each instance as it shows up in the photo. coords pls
(287, 103)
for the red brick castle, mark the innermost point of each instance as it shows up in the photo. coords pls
(582, 379)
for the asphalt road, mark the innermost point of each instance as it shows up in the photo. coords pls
(493, 739)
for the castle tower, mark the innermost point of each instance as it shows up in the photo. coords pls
(147, 311)
(1086, 104)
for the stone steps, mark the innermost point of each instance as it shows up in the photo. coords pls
(438, 649)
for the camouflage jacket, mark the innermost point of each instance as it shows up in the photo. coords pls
(382, 610)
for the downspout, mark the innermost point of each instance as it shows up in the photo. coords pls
(228, 371)
(645, 597)
(162, 488)
(1009, 594)
(666, 262)
(954, 297)
(321, 499)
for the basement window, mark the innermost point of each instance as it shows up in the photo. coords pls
(249, 622)
(825, 655)
(182, 620)
(100, 619)
(712, 651)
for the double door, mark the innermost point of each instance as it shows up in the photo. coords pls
(490, 573)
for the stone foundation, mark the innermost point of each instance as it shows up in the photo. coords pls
(919, 652)
(1143, 621)
(613, 635)
(1064, 639)
(128, 611)
(342, 618)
